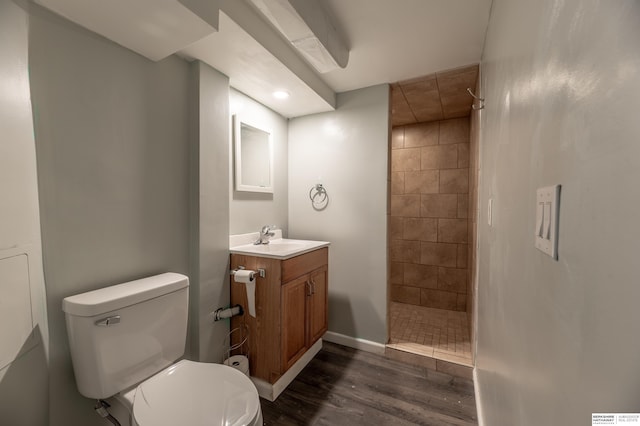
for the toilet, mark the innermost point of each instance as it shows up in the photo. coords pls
(124, 342)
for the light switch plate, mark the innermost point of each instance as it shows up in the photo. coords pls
(547, 215)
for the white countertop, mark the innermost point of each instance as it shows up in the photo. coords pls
(278, 247)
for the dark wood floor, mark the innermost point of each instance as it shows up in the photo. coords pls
(344, 386)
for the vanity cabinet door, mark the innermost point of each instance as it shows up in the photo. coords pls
(317, 308)
(294, 301)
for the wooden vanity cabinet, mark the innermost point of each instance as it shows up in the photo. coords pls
(304, 314)
(291, 310)
(318, 305)
(294, 321)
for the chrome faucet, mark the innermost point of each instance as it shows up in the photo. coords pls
(265, 233)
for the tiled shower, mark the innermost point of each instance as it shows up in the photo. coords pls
(432, 210)
(428, 225)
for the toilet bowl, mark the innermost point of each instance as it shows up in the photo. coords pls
(195, 394)
(124, 341)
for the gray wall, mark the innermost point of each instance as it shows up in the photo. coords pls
(24, 388)
(252, 210)
(112, 137)
(346, 150)
(557, 340)
(209, 201)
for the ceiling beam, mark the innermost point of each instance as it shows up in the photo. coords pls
(308, 26)
(252, 22)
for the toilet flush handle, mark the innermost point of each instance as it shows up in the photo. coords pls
(105, 322)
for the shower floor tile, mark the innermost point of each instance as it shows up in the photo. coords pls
(435, 333)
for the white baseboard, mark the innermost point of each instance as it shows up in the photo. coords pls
(476, 389)
(270, 391)
(354, 342)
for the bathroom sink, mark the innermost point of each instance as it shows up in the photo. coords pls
(279, 248)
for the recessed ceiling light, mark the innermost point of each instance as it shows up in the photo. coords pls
(281, 94)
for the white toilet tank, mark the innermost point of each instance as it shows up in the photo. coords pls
(123, 334)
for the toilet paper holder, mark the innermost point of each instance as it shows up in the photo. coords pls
(236, 345)
(237, 340)
(261, 272)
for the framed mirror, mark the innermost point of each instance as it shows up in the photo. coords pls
(253, 156)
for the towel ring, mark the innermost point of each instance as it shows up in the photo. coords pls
(319, 197)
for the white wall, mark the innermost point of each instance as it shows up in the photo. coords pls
(23, 327)
(346, 150)
(112, 138)
(250, 211)
(557, 340)
(209, 210)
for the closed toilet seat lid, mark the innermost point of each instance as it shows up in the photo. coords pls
(196, 394)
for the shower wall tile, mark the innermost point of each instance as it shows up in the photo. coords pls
(463, 256)
(405, 251)
(397, 183)
(438, 299)
(439, 205)
(454, 106)
(405, 205)
(396, 274)
(396, 227)
(473, 214)
(454, 131)
(454, 181)
(405, 159)
(429, 225)
(461, 302)
(422, 134)
(421, 275)
(423, 182)
(463, 206)
(463, 155)
(420, 229)
(452, 230)
(397, 137)
(438, 254)
(439, 157)
(452, 279)
(405, 294)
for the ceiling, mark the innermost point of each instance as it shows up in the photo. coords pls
(389, 41)
(253, 70)
(393, 40)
